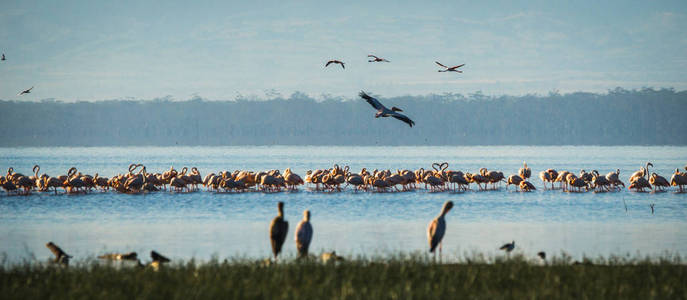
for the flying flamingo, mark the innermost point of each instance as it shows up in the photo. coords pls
(278, 230)
(376, 59)
(382, 111)
(334, 61)
(451, 69)
(437, 229)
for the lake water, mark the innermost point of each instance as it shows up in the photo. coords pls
(203, 224)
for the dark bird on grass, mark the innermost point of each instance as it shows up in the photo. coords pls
(382, 111)
(542, 255)
(376, 59)
(120, 256)
(60, 256)
(158, 260)
(508, 247)
(304, 235)
(450, 69)
(278, 230)
(437, 229)
(25, 92)
(334, 61)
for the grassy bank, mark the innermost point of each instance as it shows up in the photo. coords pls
(396, 278)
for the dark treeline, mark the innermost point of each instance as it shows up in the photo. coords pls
(619, 117)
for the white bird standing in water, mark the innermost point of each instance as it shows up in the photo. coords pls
(304, 234)
(437, 229)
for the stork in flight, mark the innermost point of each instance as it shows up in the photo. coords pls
(335, 61)
(382, 111)
(25, 92)
(376, 59)
(451, 69)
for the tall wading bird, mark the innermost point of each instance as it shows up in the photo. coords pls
(278, 230)
(304, 235)
(382, 111)
(25, 92)
(376, 59)
(437, 229)
(450, 69)
(335, 61)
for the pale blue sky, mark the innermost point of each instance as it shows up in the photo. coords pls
(93, 50)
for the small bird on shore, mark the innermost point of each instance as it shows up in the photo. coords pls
(335, 61)
(437, 229)
(450, 69)
(304, 235)
(25, 92)
(61, 257)
(376, 59)
(278, 230)
(508, 247)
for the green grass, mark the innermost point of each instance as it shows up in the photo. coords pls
(401, 277)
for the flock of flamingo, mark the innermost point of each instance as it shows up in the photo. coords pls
(137, 180)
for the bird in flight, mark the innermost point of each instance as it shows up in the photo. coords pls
(376, 59)
(25, 92)
(451, 69)
(382, 111)
(3, 57)
(334, 61)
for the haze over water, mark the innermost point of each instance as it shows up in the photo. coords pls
(201, 224)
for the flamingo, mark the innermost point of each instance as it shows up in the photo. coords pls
(525, 172)
(304, 234)
(450, 69)
(334, 61)
(278, 230)
(659, 182)
(437, 229)
(382, 111)
(376, 59)
(526, 186)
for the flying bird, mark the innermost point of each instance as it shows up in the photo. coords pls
(334, 61)
(451, 69)
(508, 247)
(25, 92)
(382, 111)
(376, 59)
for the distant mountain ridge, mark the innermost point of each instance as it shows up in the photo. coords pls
(619, 117)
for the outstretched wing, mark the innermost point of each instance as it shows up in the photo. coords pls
(370, 55)
(374, 102)
(404, 118)
(456, 67)
(438, 63)
(328, 63)
(342, 65)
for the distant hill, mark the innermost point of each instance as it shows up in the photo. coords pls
(619, 117)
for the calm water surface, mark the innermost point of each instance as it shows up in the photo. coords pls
(203, 224)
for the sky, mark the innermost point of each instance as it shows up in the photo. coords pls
(224, 50)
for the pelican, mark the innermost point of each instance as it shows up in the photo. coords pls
(382, 111)
(451, 69)
(437, 229)
(508, 247)
(25, 92)
(304, 234)
(60, 256)
(376, 59)
(334, 61)
(278, 230)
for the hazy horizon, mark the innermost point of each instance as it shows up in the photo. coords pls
(74, 50)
